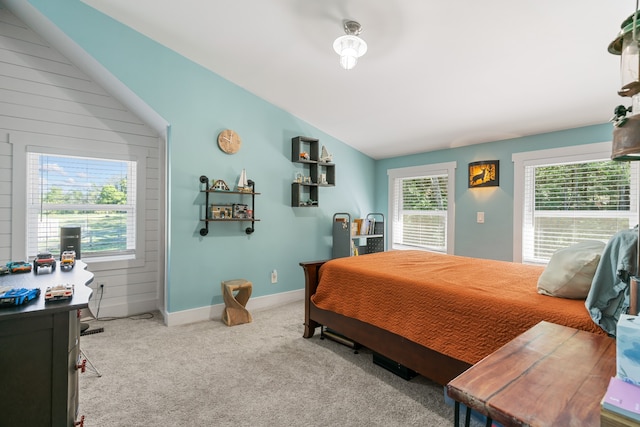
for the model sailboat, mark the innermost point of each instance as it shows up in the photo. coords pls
(325, 157)
(243, 183)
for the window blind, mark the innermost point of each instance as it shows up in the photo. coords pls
(570, 202)
(420, 212)
(97, 195)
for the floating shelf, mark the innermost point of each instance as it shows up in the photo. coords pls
(214, 193)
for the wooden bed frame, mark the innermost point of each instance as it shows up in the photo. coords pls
(425, 361)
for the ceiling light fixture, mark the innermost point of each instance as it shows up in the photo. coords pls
(350, 47)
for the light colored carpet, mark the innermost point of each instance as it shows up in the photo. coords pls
(258, 374)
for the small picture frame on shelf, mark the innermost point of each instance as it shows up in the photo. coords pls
(221, 211)
(240, 211)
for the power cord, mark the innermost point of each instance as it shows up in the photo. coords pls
(141, 316)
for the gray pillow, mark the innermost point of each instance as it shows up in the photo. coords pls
(570, 270)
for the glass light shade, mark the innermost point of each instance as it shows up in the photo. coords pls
(350, 48)
(348, 60)
(629, 60)
(626, 45)
(630, 71)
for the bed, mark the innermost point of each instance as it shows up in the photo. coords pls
(433, 313)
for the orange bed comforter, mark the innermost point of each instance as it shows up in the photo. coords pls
(465, 308)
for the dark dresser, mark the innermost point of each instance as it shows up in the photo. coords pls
(40, 350)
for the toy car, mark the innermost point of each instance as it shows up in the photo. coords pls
(4, 270)
(44, 259)
(18, 296)
(67, 260)
(58, 292)
(19, 267)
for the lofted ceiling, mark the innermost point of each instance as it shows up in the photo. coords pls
(438, 74)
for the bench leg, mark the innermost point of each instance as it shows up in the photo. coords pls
(456, 414)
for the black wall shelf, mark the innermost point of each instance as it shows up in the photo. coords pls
(211, 193)
(305, 151)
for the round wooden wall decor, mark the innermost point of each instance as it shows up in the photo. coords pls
(229, 141)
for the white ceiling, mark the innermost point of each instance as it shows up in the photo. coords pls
(438, 73)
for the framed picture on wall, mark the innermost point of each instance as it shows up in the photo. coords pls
(484, 174)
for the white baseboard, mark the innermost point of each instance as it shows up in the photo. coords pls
(214, 312)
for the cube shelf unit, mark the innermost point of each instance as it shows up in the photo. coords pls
(305, 193)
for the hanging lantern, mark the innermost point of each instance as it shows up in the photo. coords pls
(626, 134)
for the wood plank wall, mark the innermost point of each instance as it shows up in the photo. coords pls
(45, 98)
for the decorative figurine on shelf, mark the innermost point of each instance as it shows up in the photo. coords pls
(18, 296)
(221, 211)
(304, 155)
(240, 211)
(243, 183)
(19, 266)
(220, 185)
(44, 259)
(67, 260)
(58, 292)
(325, 157)
(216, 212)
(299, 177)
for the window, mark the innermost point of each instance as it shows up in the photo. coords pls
(574, 198)
(420, 207)
(98, 195)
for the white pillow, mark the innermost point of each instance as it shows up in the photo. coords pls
(570, 270)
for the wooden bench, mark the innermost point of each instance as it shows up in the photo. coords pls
(550, 375)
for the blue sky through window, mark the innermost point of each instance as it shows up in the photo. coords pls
(80, 174)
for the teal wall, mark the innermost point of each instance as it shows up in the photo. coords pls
(494, 238)
(198, 104)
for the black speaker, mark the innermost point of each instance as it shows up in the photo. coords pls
(70, 240)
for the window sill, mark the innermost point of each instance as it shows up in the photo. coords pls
(112, 262)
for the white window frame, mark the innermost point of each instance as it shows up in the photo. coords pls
(46, 144)
(35, 206)
(448, 168)
(571, 154)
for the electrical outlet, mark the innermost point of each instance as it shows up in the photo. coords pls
(274, 276)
